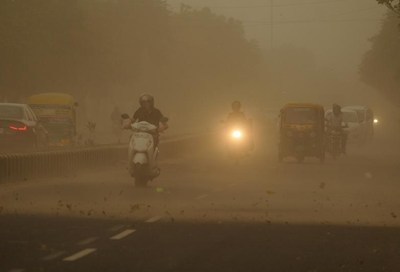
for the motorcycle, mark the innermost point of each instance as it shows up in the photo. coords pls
(142, 154)
(238, 145)
(333, 142)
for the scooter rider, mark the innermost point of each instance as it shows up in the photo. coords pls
(237, 117)
(335, 122)
(148, 113)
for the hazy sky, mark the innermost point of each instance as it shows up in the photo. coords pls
(338, 36)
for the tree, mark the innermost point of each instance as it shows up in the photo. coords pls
(393, 5)
(380, 67)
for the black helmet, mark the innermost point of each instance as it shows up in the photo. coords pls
(236, 106)
(146, 98)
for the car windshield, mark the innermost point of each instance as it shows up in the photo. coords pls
(301, 116)
(350, 117)
(11, 112)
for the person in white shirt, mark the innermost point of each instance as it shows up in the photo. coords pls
(335, 122)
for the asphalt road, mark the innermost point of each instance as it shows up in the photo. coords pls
(206, 214)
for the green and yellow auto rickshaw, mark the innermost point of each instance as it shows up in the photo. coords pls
(57, 113)
(302, 131)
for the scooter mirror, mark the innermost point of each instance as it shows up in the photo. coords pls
(125, 116)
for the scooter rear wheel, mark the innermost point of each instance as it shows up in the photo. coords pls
(140, 175)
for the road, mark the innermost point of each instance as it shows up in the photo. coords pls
(206, 214)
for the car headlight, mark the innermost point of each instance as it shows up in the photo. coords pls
(237, 134)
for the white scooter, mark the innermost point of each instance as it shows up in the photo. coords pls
(142, 155)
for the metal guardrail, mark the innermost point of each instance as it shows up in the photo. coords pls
(29, 166)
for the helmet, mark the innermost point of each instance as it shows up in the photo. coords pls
(336, 106)
(236, 106)
(146, 98)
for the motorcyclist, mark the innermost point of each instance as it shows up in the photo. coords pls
(335, 121)
(238, 118)
(148, 113)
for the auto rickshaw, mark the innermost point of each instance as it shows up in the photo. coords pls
(302, 131)
(57, 113)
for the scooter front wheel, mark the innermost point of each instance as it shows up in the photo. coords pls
(140, 175)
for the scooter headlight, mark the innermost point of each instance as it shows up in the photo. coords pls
(237, 134)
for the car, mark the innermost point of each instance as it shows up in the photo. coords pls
(20, 129)
(366, 118)
(355, 129)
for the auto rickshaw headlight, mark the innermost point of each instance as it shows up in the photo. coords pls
(289, 134)
(313, 134)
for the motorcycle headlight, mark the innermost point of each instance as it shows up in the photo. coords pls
(376, 121)
(237, 134)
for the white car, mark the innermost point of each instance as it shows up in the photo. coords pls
(366, 119)
(350, 118)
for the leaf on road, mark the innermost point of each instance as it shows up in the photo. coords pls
(393, 215)
(270, 192)
(322, 185)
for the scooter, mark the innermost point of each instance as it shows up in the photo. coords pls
(142, 154)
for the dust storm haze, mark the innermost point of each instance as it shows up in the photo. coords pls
(255, 168)
(194, 59)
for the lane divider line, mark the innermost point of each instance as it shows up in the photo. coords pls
(154, 219)
(53, 256)
(80, 254)
(201, 197)
(116, 228)
(122, 234)
(87, 241)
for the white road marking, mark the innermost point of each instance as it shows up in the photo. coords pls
(154, 219)
(201, 197)
(79, 255)
(123, 234)
(16, 270)
(87, 241)
(53, 256)
(116, 228)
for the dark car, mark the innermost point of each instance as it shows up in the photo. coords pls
(20, 129)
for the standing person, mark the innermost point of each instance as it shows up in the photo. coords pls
(116, 122)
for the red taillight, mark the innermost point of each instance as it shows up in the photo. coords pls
(18, 128)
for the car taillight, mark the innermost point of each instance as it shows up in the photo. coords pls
(18, 128)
